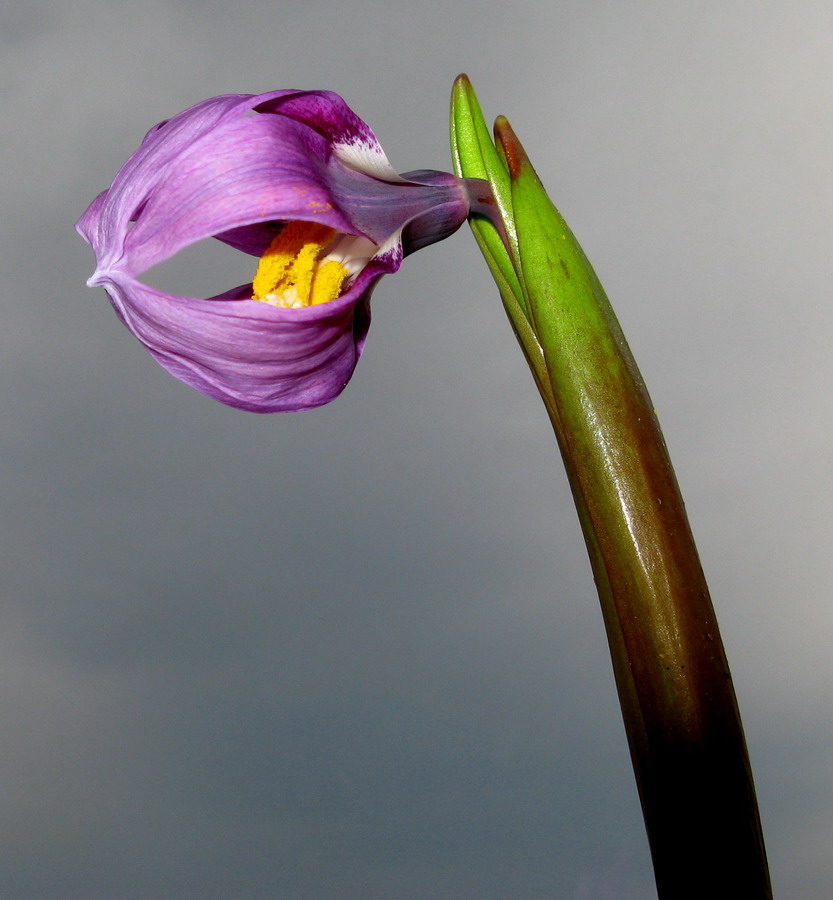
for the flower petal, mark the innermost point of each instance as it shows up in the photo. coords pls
(251, 355)
(254, 170)
(104, 227)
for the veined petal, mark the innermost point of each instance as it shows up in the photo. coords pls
(147, 167)
(254, 170)
(248, 354)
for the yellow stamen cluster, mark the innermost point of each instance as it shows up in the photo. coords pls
(291, 273)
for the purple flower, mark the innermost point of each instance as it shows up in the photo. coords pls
(292, 177)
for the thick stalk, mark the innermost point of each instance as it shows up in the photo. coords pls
(678, 703)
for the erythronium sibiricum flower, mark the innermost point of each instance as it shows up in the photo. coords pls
(297, 179)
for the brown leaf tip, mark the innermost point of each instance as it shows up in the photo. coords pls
(515, 154)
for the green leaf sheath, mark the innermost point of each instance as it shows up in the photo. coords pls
(474, 153)
(676, 694)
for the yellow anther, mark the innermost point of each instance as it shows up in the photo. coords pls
(291, 272)
(327, 281)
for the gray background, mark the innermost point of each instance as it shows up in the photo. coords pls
(356, 653)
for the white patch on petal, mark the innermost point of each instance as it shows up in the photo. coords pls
(392, 247)
(352, 252)
(367, 156)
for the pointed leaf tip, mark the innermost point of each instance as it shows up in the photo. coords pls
(475, 156)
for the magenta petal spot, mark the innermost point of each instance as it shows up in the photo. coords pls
(237, 168)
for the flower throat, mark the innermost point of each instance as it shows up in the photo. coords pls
(293, 272)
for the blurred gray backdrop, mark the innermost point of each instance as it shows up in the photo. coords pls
(356, 653)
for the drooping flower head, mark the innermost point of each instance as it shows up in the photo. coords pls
(298, 180)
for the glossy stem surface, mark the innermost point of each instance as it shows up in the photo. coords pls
(678, 702)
